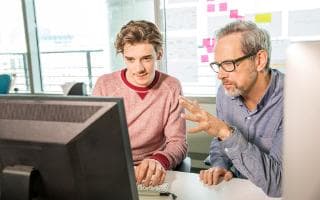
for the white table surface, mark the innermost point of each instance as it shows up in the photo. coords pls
(187, 186)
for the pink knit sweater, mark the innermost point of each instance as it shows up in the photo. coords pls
(155, 127)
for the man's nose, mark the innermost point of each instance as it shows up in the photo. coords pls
(139, 67)
(222, 74)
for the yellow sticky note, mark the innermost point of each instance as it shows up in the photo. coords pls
(263, 18)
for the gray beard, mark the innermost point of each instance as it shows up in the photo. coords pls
(234, 93)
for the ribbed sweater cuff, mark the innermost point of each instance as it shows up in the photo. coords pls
(162, 159)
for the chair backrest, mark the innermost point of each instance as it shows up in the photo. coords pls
(5, 83)
(75, 88)
(184, 166)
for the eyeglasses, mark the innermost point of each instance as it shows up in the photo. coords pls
(229, 65)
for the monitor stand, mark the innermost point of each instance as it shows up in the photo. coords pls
(20, 182)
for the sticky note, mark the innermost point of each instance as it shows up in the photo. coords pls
(204, 58)
(223, 6)
(263, 18)
(240, 17)
(233, 13)
(209, 49)
(210, 8)
(206, 42)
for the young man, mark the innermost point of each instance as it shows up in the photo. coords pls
(248, 129)
(156, 131)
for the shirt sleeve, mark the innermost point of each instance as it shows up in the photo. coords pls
(218, 158)
(263, 169)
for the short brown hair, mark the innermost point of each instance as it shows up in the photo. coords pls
(137, 32)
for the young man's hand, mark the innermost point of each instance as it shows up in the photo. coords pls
(215, 175)
(150, 172)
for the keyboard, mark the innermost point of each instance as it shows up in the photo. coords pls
(163, 188)
(159, 190)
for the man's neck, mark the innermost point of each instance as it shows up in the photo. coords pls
(253, 97)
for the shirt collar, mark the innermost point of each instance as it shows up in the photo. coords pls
(136, 88)
(270, 90)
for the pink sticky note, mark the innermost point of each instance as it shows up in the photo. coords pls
(209, 49)
(204, 58)
(206, 42)
(210, 7)
(234, 14)
(223, 7)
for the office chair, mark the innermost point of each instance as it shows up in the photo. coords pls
(184, 166)
(75, 88)
(5, 83)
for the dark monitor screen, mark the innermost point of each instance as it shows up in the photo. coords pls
(65, 148)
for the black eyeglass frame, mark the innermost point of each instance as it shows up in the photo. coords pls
(234, 62)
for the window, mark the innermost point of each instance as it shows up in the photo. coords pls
(12, 44)
(75, 38)
(73, 41)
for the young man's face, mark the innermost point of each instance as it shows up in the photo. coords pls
(244, 77)
(140, 59)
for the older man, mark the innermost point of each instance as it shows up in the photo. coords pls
(248, 129)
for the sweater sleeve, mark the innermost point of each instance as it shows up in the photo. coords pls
(97, 88)
(175, 132)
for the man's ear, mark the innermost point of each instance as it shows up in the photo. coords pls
(159, 54)
(261, 60)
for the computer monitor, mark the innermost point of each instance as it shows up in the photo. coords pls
(61, 148)
(301, 128)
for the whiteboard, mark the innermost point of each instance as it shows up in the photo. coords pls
(304, 23)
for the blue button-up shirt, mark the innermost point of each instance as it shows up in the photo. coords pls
(254, 151)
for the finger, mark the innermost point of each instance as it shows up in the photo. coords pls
(163, 178)
(189, 105)
(217, 176)
(195, 103)
(228, 176)
(156, 178)
(201, 174)
(209, 176)
(142, 170)
(183, 99)
(136, 172)
(204, 176)
(191, 117)
(150, 173)
(200, 127)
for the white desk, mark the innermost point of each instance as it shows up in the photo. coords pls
(187, 186)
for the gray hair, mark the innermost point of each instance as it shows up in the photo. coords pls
(253, 38)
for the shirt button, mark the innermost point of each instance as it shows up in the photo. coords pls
(248, 117)
(226, 149)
